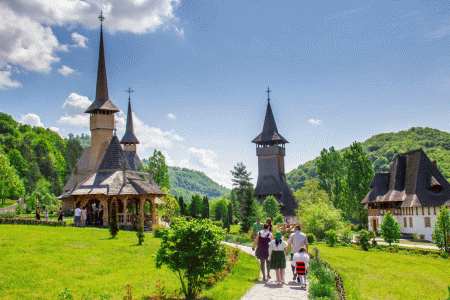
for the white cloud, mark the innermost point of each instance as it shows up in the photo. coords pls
(65, 70)
(27, 40)
(5, 80)
(171, 116)
(74, 108)
(55, 129)
(80, 40)
(203, 157)
(31, 119)
(315, 122)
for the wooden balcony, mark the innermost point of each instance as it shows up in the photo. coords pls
(381, 212)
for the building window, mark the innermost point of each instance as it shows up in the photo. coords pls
(434, 209)
(410, 222)
(405, 224)
(428, 210)
(427, 222)
(417, 211)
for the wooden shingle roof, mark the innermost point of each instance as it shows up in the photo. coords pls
(270, 131)
(413, 181)
(129, 137)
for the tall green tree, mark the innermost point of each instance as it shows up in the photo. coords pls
(205, 208)
(171, 208)
(10, 184)
(233, 200)
(157, 163)
(241, 183)
(249, 209)
(390, 229)
(271, 207)
(43, 193)
(113, 219)
(330, 172)
(182, 206)
(195, 209)
(18, 162)
(72, 154)
(359, 173)
(230, 213)
(441, 231)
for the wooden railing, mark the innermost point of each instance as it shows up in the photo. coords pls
(381, 212)
(287, 228)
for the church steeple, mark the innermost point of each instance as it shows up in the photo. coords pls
(102, 101)
(270, 134)
(129, 139)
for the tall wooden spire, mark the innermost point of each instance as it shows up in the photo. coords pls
(102, 101)
(129, 136)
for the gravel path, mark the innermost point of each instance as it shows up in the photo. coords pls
(270, 290)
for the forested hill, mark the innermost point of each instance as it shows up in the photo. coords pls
(382, 148)
(185, 182)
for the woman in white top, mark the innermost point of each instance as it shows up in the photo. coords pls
(277, 258)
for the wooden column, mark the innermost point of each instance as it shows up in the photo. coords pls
(125, 213)
(105, 203)
(142, 210)
(153, 210)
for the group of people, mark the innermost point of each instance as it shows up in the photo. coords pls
(273, 252)
(88, 216)
(38, 213)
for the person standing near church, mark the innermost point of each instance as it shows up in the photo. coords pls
(257, 227)
(298, 240)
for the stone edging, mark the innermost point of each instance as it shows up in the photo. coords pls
(339, 283)
(9, 208)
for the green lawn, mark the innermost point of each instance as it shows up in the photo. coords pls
(37, 262)
(383, 275)
(8, 202)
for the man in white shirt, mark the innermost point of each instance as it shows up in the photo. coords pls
(77, 216)
(297, 240)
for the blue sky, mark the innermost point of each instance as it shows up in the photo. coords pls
(339, 71)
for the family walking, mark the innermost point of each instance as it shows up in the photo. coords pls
(272, 252)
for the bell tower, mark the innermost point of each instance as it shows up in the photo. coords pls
(102, 110)
(270, 149)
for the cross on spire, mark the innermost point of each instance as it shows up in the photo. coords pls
(268, 94)
(101, 18)
(129, 91)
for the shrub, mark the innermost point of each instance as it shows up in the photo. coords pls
(311, 238)
(346, 235)
(185, 245)
(322, 291)
(278, 219)
(8, 215)
(416, 236)
(363, 238)
(159, 230)
(113, 219)
(218, 224)
(331, 237)
(140, 230)
(19, 208)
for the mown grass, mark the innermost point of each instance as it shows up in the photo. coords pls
(38, 262)
(8, 202)
(382, 275)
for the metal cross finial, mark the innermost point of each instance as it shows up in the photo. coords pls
(129, 91)
(268, 94)
(101, 18)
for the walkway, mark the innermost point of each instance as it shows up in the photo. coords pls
(270, 290)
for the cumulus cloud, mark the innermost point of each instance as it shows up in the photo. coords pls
(65, 70)
(27, 40)
(5, 80)
(80, 40)
(203, 157)
(315, 122)
(31, 119)
(54, 129)
(171, 116)
(74, 108)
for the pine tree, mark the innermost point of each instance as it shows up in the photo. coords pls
(241, 182)
(195, 209)
(247, 210)
(390, 229)
(182, 206)
(205, 208)
(113, 219)
(441, 233)
(233, 199)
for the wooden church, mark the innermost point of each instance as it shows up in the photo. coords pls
(270, 149)
(413, 191)
(105, 170)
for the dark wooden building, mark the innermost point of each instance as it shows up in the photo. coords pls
(270, 149)
(413, 191)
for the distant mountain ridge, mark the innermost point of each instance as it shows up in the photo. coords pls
(382, 148)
